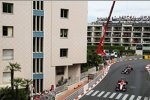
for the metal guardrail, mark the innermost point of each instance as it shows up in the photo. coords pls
(72, 96)
(73, 80)
(83, 75)
(61, 88)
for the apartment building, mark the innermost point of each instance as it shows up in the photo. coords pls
(123, 31)
(45, 38)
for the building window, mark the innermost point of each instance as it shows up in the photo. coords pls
(8, 54)
(38, 65)
(7, 7)
(64, 13)
(64, 52)
(8, 31)
(64, 33)
(38, 85)
(37, 44)
(38, 5)
(6, 77)
(60, 70)
(38, 23)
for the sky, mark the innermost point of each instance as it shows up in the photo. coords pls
(121, 8)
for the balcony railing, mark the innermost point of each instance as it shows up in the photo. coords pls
(137, 29)
(136, 35)
(97, 34)
(116, 35)
(108, 35)
(146, 30)
(98, 30)
(90, 30)
(146, 35)
(126, 35)
(127, 30)
(117, 30)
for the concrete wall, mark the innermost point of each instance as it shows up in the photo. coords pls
(21, 41)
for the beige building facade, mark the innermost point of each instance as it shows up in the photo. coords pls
(47, 38)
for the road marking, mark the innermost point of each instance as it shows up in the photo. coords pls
(94, 93)
(132, 97)
(89, 92)
(125, 96)
(146, 98)
(119, 95)
(139, 98)
(106, 94)
(112, 95)
(101, 93)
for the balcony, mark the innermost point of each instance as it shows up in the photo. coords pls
(96, 39)
(136, 41)
(127, 29)
(116, 35)
(126, 35)
(89, 40)
(89, 34)
(137, 30)
(90, 29)
(146, 29)
(125, 41)
(109, 29)
(98, 29)
(136, 35)
(107, 40)
(116, 40)
(97, 34)
(117, 30)
(146, 35)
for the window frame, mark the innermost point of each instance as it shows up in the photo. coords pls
(62, 13)
(63, 32)
(7, 30)
(62, 52)
(9, 58)
(7, 9)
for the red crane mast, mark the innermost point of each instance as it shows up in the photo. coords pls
(100, 49)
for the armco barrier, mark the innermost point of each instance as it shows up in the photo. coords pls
(75, 94)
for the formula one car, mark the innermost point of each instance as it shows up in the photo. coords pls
(121, 85)
(127, 70)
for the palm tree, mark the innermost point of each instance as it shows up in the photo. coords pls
(26, 84)
(13, 67)
(17, 82)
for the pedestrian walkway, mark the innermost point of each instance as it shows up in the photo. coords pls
(62, 96)
(116, 95)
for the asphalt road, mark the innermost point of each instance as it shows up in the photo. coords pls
(138, 87)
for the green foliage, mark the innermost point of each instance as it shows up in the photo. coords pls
(7, 94)
(14, 66)
(62, 81)
(93, 59)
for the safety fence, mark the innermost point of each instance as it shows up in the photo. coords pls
(45, 95)
(61, 88)
(87, 86)
(83, 75)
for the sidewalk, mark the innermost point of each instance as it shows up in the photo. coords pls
(68, 92)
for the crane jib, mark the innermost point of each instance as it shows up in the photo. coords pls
(100, 49)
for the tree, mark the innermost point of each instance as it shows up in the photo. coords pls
(93, 59)
(17, 82)
(13, 67)
(26, 84)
